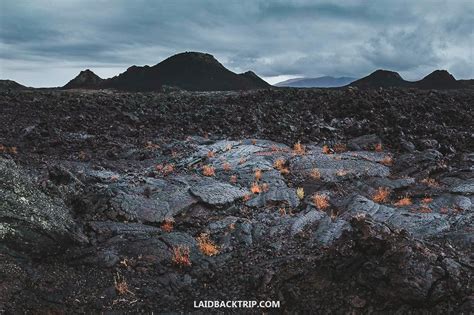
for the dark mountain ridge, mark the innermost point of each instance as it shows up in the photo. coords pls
(193, 71)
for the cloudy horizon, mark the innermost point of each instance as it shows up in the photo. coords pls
(47, 42)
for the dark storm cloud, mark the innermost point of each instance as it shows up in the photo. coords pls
(273, 38)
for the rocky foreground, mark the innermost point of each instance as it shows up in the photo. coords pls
(149, 202)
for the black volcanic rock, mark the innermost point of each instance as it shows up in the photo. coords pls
(438, 79)
(6, 85)
(191, 71)
(381, 78)
(85, 80)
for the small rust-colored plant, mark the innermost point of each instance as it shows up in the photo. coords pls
(247, 197)
(300, 193)
(254, 141)
(326, 150)
(265, 187)
(121, 285)
(381, 195)
(299, 149)
(226, 167)
(430, 182)
(340, 147)
(378, 147)
(167, 225)
(181, 255)
(387, 160)
(233, 179)
(258, 174)
(208, 170)
(168, 169)
(280, 165)
(403, 202)
(255, 188)
(427, 200)
(211, 154)
(207, 246)
(425, 209)
(315, 174)
(321, 201)
(242, 161)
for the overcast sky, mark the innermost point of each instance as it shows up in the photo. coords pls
(47, 42)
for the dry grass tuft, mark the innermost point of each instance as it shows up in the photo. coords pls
(258, 174)
(403, 202)
(321, 201)
(299, 149)
(181, 255)
(381, 195)
(208, 170)
(206, 246)
(326, 150)
(265, 187)
(211, 154)
(300, 193)
(121, 285)
(342, 172)
(233, 179)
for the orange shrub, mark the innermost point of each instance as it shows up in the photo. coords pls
(208, 170)
(403, 202)
(255, 189)
(381, 195)
(181, 255)
(206, 246)
(210, 154)
(326, 149)
(226, 166)
(321, 201)
(299, 149)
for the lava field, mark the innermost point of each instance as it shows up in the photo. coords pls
(326, 200)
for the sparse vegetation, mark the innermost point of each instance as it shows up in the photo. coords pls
(206, 246)
(181, 256)
(300, 193)
(387, 160)
(121, 285)
(299, 149)
(381, 195)
(430, 182)
(340, 148)
(208, 170)
(315, 174)
(326, 150)
(226, 167)
(321, 201)
(255, 188)
(233, 179)
(258, 174)
(403, 202)
(280, 165)
(167, 225)
(211, 154)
